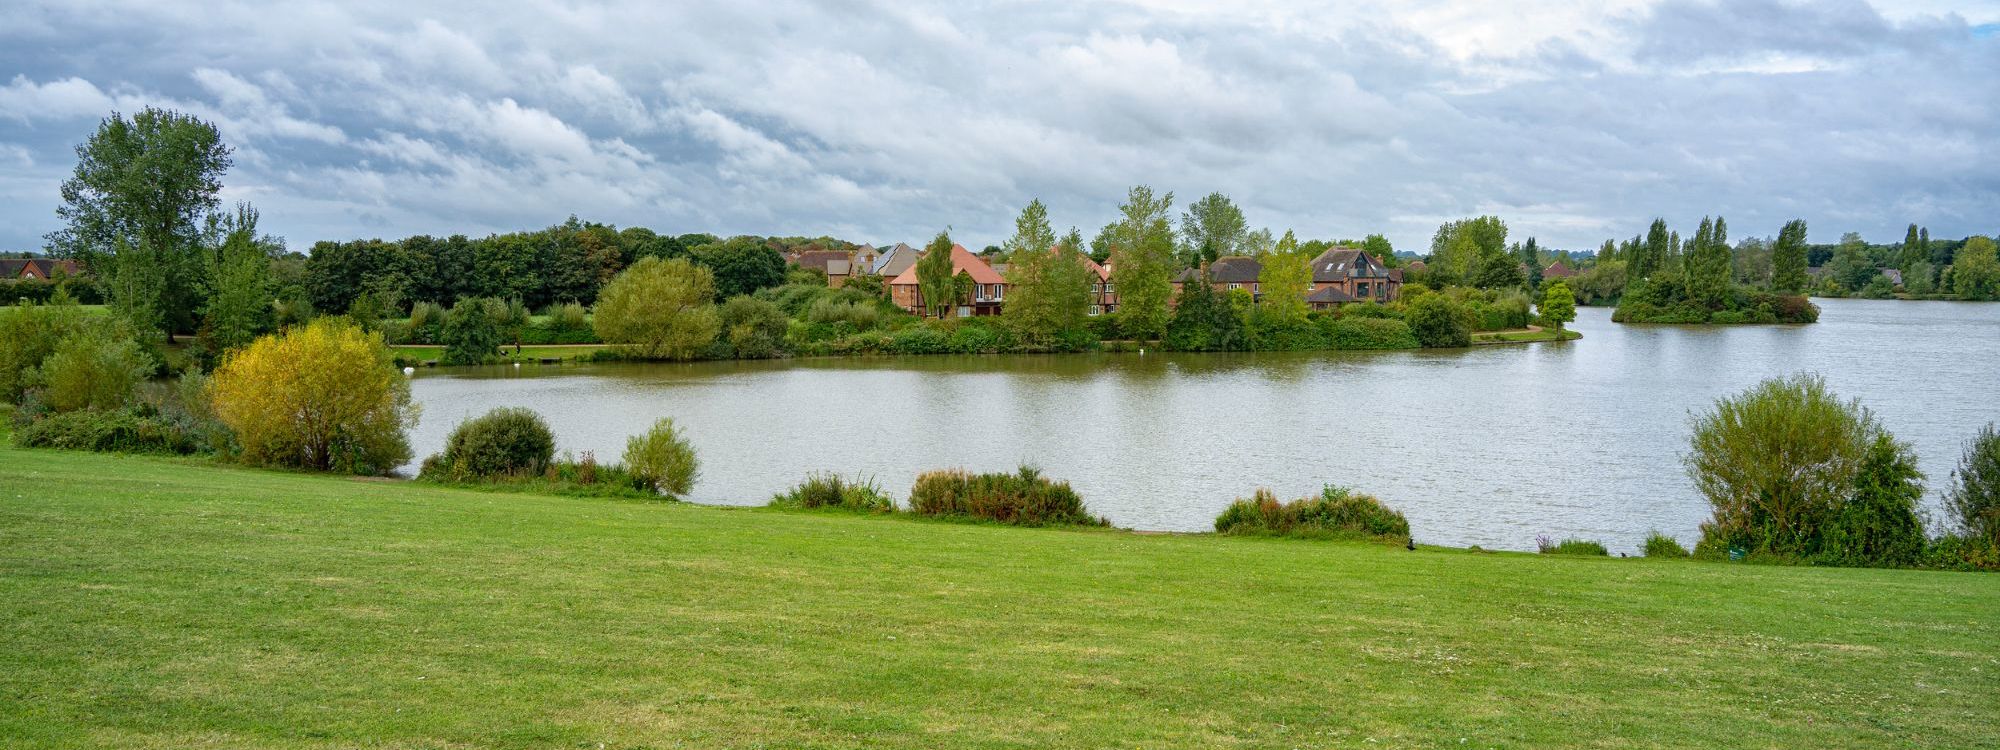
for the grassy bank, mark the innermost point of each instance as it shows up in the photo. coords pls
(169, 603)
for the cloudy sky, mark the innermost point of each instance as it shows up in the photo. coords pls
(885, 121)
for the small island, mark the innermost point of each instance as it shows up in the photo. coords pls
(1696, 282)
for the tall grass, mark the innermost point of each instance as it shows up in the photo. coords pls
(1336, 512)
(1024, 498)
(831, 490)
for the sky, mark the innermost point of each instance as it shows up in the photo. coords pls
(889, 121)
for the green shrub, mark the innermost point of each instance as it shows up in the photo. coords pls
(507, 440)
(861, 315)
(1366, 333)
(1337, 511)
(922, 338)
(1549, 546)
(754, 328)
(28, 334)
(1661, 545)
(1438, 321)
(1023, 498)
(1974, 498)
(92, 369)
(833, 491)
(1288, 335)
(1878, 525)
(469, 334)
(1962, 552)
(662, 459)
(125, 430)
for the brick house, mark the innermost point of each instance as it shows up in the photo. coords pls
(40, 269)
(836, 264)
(1558, 270)
(1344, 275)
(989, 288)
(1227, 273)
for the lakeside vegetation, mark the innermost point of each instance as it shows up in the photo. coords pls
(158, 602)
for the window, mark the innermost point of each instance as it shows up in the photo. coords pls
(1364, 289)
(1256, 287)
(1234, 286)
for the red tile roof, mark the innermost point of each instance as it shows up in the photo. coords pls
(962, 261)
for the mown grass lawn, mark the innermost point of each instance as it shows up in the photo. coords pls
(169, 603)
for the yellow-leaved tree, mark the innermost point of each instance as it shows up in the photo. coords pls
(323, 396)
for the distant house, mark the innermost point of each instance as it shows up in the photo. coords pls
(1342, 275)
(892, 262)
(989, 288)
(1895, 275)
(1103, 297)
(1558, 270)
(1227, 273)
(41, 269)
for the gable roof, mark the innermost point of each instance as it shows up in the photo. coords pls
(1343, 263)
(1330, 295)
(818, 258)
(962, 261)
(40, 268)
(894, 260)
(1558, 270)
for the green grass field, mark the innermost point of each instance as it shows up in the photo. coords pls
(161, 603)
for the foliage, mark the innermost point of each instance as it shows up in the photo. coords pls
(937, 277)
(1205, 321)
(1439, 321)
(662, 459)
(659, 309)
(1661, 545)
(133, 211)
(1602, 283)
(321, 396)
(1877, 526)
(1709, 270)
(1461, 250)
(1584, 547)
(1360, 333)
(469, 333)
(1974, 498)
(1285, 275)
(1776, 463)
(94, 368)
(754, 328)
(1976, 271)
(740, 265)
(507, 440)
(1024, 498)
(1048, 286)
(238, 306)
(127, 429)
(1212, 227)
(29, 334)
(831, 490)
(1558, 304)
(1142, 260)
(1336, 511)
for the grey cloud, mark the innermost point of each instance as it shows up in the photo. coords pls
(888, 121)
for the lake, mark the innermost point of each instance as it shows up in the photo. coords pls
(1489, 446)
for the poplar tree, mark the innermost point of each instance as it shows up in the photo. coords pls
(1709, 264)
(1915, 250)
(1788, 259)
(1530, 255)
(1653, 252)
(1143, 262)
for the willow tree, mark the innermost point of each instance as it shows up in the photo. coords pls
(934, 276)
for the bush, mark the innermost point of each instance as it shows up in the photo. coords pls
(1878, 524)
(832, 491)
(28, 335)
(1365, 333)
(321, 396)
(1438, 321)
(1549, 546)
(1024, 498)
(660, 309)
(125, 430)
(1778, 463)
(1661, 545)
(755, 328)
(507, 440)
(92, 369)
(1974, 498)
(1337, 511)
(662, 459)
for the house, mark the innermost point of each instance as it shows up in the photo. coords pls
(1342, 275)
(989, 289)
(1558, 270)
(41, 269)
(1103, 296)
(892, 262)
(1895, 275)
(1227, 273)
(818, 260)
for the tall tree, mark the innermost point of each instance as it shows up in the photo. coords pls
(1100, 246)
(1069, 281)
(934, 276)
(1850, 266)
(1461, 249)
(1142, 262)
(741, 265)
(1708, 264)
(1378, 247)
(1211, 228)
(237, 308)
(1030, 305)
(1975, 274)
(1531, 257)
(1652, 253)
(1915, 250)
(1788, 259)
(1284, 279)
(1558, 304)
(134, 208)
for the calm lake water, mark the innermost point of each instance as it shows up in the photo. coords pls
(1489, 446)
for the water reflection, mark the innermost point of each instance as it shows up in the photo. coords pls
(1487, 446)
